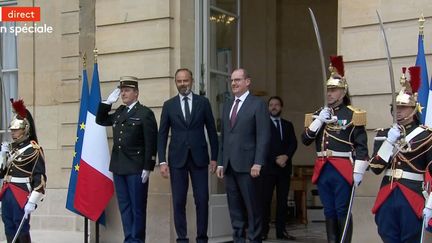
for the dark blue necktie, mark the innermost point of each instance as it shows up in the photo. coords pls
(187, 109)
(278, 127)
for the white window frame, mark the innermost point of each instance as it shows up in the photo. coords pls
(8, 74)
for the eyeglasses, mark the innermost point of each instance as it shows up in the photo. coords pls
(237, 80)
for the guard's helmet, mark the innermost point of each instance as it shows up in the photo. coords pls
(337, 77)
(22, 120)
(408, 94)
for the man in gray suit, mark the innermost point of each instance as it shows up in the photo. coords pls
(245, 139)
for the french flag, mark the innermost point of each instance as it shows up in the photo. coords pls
(94, 187)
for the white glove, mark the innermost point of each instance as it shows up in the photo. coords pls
(28, 209)
(113, 97)
(5, 147)
(3, 155)
(323, 117)
(145, 175)
(427, 215)
(324, 114)
(357, 177)
(393, 134)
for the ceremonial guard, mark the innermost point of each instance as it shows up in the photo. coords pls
(403, 153)
(340, 138)
(23, 173)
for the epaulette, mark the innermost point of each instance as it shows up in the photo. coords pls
(358, 117)
(34, 144)
(308, 119)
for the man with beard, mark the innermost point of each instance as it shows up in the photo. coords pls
(245, 141)
(187, 115)
(133, 154)
(340, 139)
(277, 170)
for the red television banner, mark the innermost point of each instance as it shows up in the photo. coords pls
(30, 14)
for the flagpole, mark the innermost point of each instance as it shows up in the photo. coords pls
(97, 231)
(421, 24)
(95, 54)
(86, 233)
(85, 230)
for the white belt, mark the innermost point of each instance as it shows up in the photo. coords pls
(331, 153)
(399, 173)
(17, 179)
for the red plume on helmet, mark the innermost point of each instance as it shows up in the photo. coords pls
(23, 114)
(337, 63)
(409, 87)
(414, 78)
(19, 108)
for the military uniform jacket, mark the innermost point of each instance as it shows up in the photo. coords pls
(414, 160)
(134, 137)
(339, 143)
(25, 171)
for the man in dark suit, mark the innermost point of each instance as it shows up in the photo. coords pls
(187, 114)
(277, 171)
(133, 154)
(246, 137)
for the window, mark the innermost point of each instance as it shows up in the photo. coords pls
(8, 74)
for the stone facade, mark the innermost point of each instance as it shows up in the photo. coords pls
(151, 39)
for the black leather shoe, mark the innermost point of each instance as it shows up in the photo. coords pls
(285, 236)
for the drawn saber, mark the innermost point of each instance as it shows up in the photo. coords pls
(323, 69)
(426, 191)
(390, 66)
(348, 216)
(19, 229)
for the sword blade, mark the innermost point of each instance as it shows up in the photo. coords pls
(423, 230)
(348, 216)
(390, 66)
(19, 229)
(323, 69)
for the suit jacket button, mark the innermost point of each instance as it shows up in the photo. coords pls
(133, 124)
(121, 132)
(122, 125)
(119, 139)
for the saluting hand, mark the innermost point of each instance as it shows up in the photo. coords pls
(113, 97)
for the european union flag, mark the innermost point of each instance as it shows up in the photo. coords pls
(78, 144)
(423, 92)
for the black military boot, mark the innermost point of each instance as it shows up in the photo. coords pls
(332, 230)
(349, 230)
(24, 238)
